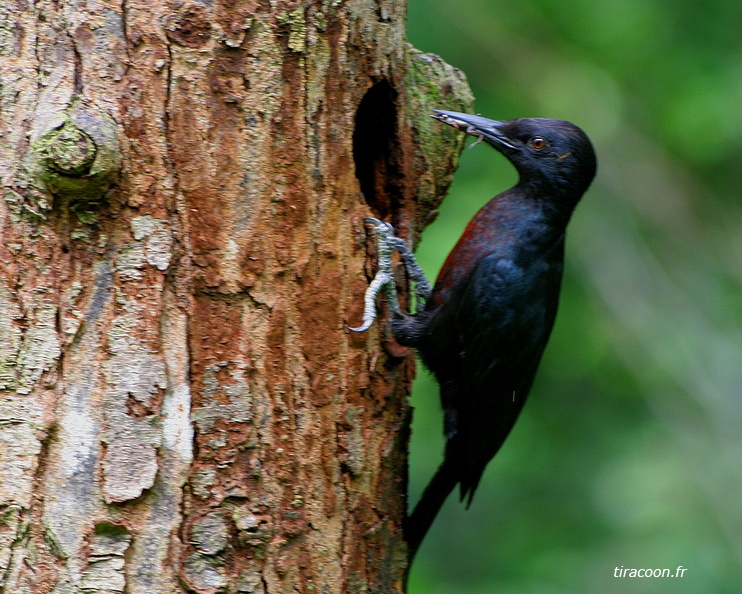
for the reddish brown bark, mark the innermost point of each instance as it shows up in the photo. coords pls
(182, 406)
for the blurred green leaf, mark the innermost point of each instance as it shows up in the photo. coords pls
(629, 451)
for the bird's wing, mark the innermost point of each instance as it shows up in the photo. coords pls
(503, 322)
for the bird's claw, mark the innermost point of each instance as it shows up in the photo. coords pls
(387, 243)
(384, 278)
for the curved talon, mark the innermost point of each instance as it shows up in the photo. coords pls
(387, 242)
(378, 223)
(381, 281)
(384, 279)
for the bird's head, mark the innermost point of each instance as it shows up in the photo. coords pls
(551, 154)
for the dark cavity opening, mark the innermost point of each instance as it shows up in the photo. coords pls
(376, 149)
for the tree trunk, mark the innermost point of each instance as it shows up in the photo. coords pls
(182, 407)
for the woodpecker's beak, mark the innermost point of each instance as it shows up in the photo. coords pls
(490, 130)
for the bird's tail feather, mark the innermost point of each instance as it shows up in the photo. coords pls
(421, 518)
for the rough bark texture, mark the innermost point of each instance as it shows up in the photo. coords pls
(182, 407)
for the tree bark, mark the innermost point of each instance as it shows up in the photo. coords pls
(182, 407)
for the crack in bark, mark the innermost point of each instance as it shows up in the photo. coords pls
(77, 84)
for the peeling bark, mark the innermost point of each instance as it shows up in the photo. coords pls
(182, 407)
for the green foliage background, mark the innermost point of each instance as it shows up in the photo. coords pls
(629, 451)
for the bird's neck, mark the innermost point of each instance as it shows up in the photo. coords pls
(554, 202)
(525, 204)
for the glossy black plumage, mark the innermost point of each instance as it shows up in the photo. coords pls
(486, 324)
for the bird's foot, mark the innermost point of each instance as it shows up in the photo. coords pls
(414, 271)
(386, 244)
(384, 279)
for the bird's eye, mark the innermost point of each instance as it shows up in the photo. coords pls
(538, 143)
